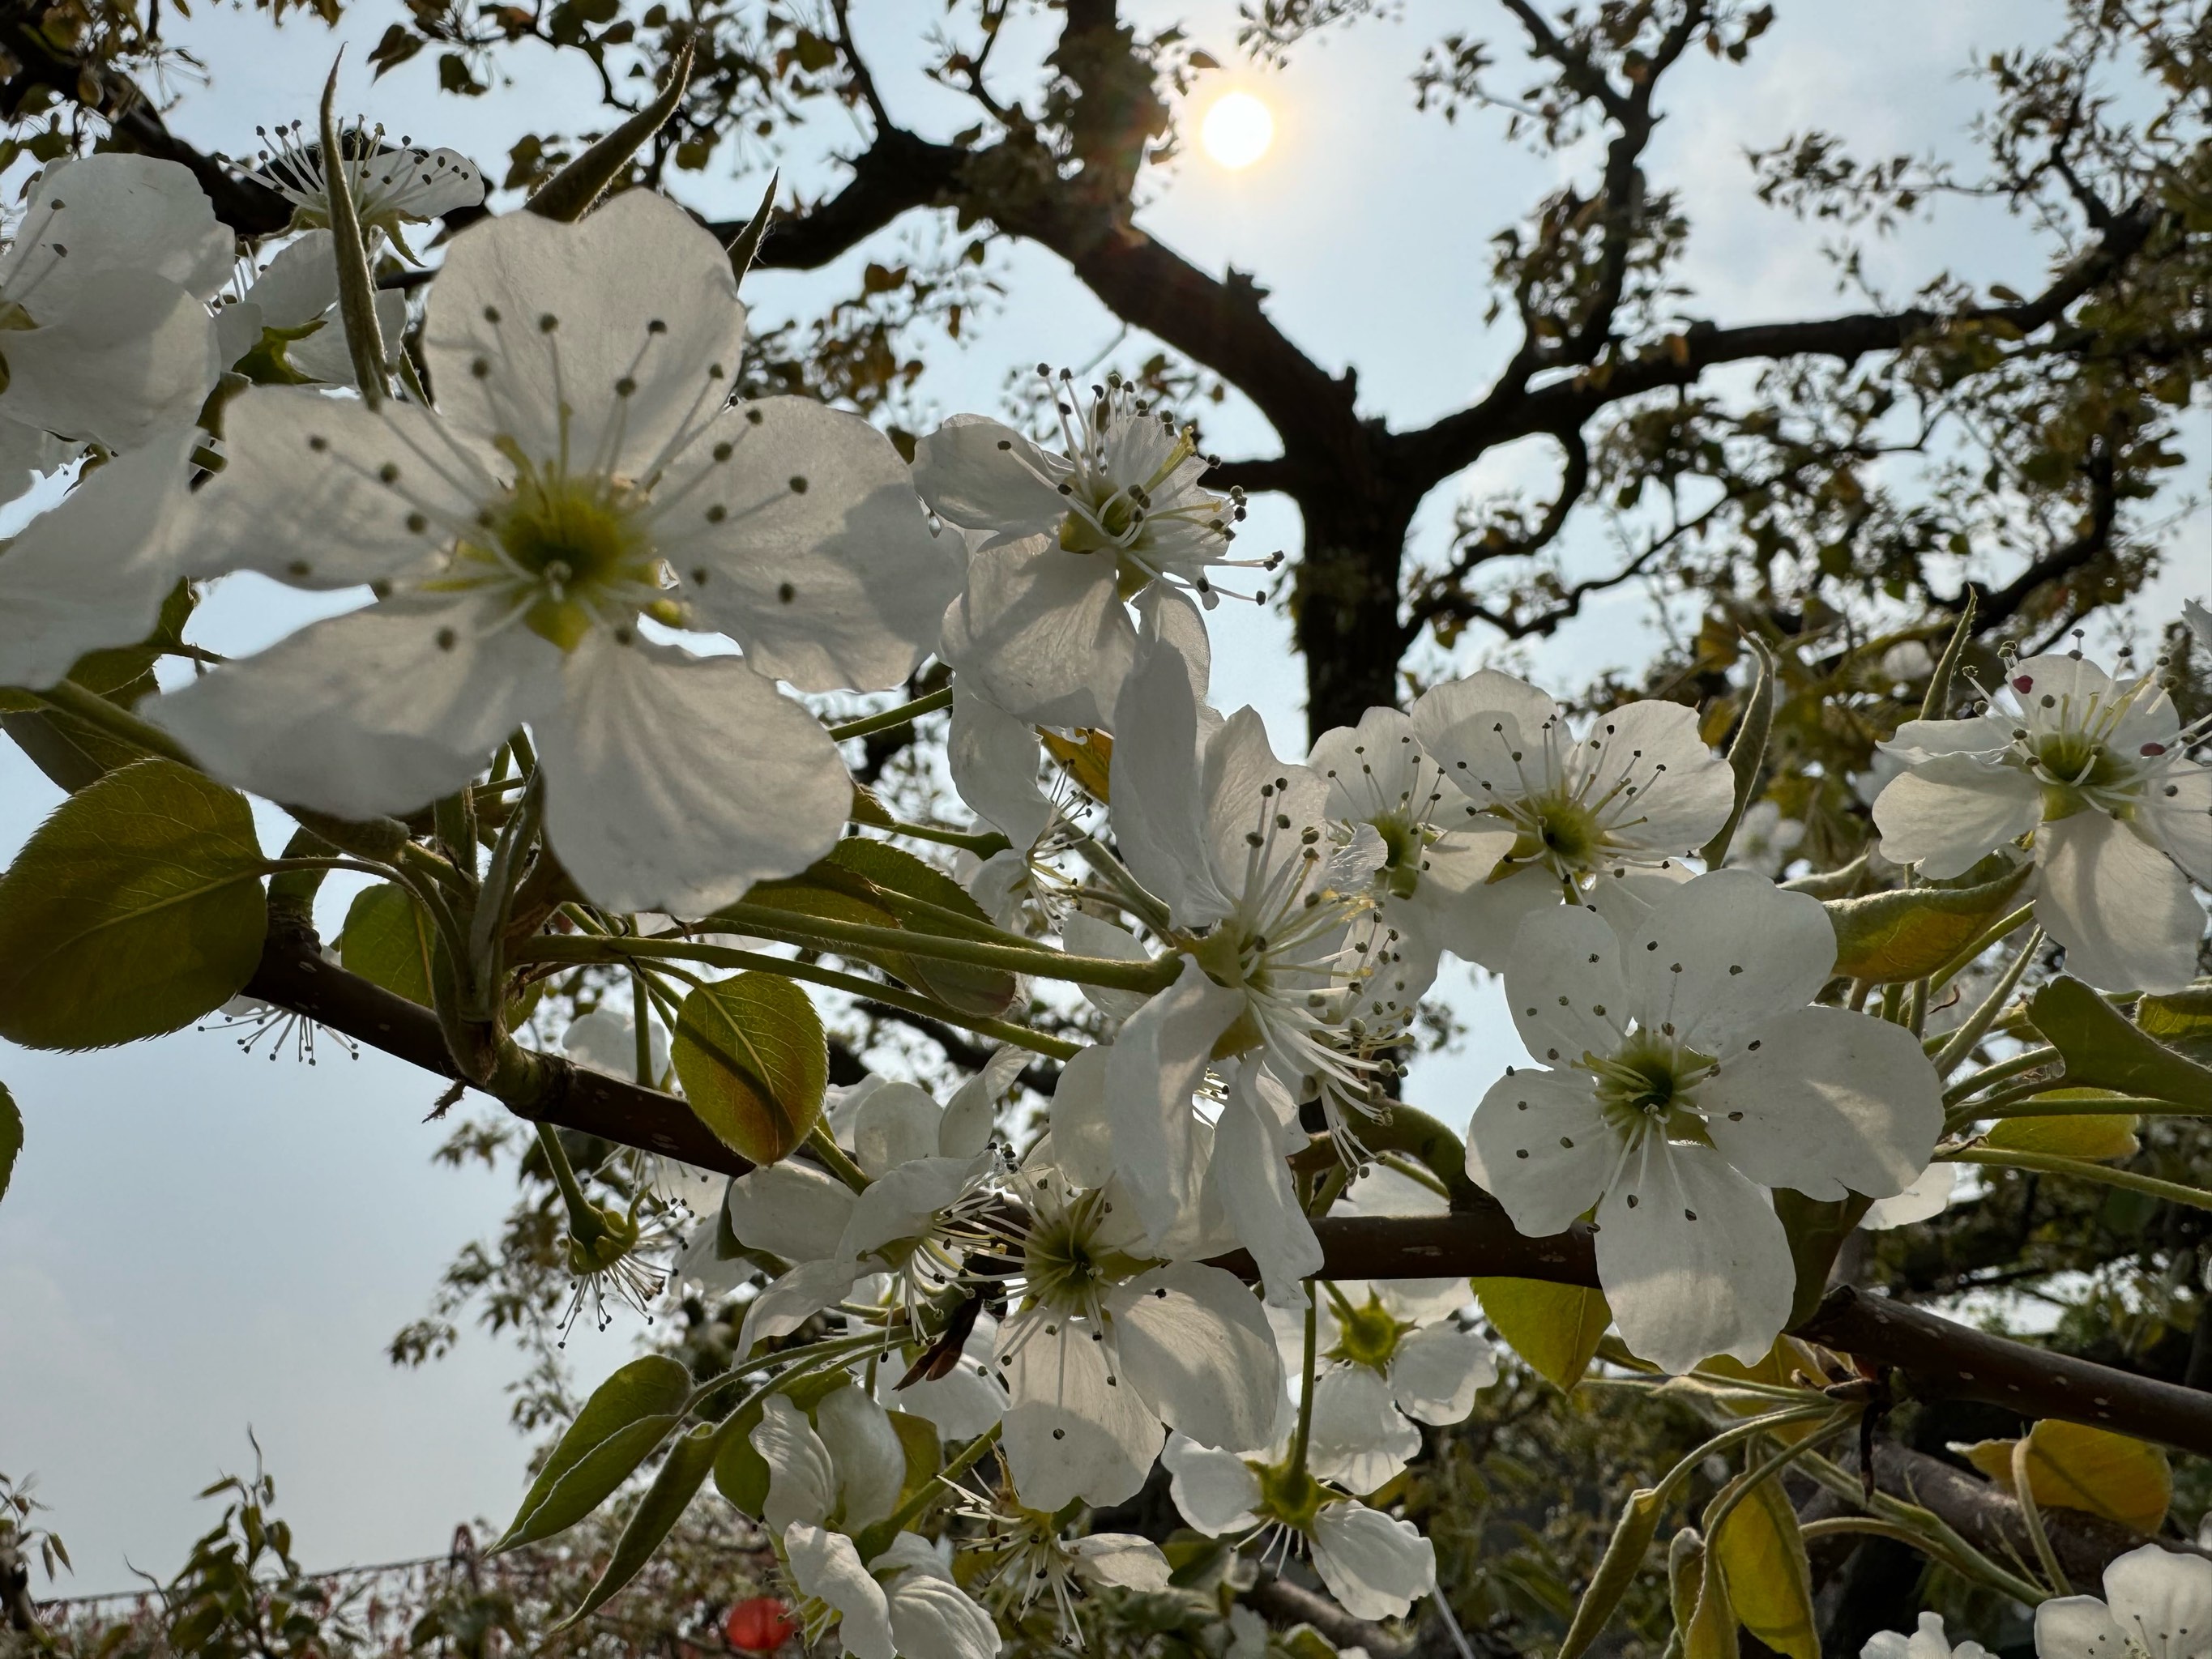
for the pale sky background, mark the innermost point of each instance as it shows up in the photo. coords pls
(197, 1241)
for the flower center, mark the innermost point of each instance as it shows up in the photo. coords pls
(1061, 1264)
(1559, 832)
(1292, 1497)
(572, 551)
(1367, 1335)
(1402, 843)
(1648, 1081)
(2077, 768)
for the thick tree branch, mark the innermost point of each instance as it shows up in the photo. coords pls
(1937, 1356)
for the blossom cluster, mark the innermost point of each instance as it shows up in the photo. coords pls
(579, 555)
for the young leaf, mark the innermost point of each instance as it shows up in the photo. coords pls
(2181, 1020)
(656, 1513)
(1911, 933)
(2103, 1051)
(1748, 754)
(601, 1448)
(133, 910)
(2096, 1135)
(388, 941)
(2072, 1465)
(11, 1137)
(1762, 1561)
(1617, 1569)
(754, 1063)
(1555, 1328)
(569, 194)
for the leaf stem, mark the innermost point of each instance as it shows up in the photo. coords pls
(2052, 1164)
(905, 715)
(794, 929)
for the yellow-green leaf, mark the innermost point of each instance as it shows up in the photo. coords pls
(388, 941)
(2181, 1020)
(2072, 1465)
(626, 1418)
(754, 1063)
(1087, 757)
(1770, 1583)
(2096, 1135)
(1555, 1328)
(1910, 934)
(133, 910)
(2104, 1050)
(1633, 1532)
(1709, 1631)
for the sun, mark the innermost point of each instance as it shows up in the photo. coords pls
(1238, 129)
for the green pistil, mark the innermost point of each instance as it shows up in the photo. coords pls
(1651, 1081)
(1368, 1335)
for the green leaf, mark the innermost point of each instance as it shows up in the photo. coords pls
(741, 1472)
(1555, 1328)
(1748, 754)
(133, 910)
(1762, 1562)
(2104, 1050)
(656, 1513)
(2094, 1135)
(1617, 1569)
(568, 195)
(627, 1416)
(11, 1137)
(389, 941)
(864, 881)
(1911, 933)
(924, 1446)
(754, 1063)
(2181, 1020)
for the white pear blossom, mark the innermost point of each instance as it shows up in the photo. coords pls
(1432, 892)
(391, 186)
(904, 1602)
(1682, 1076)
(1375, 1565)
(1389, 1355)
(1060, 542)
(1027, 1556)
(1929, 1195)
(105, 333)
(1927, 1642)
(2098, 771)
(1606, 817)
(1764, 841)
(581, 473)
(94, 571)
(2157, 1605)
(1260, 901)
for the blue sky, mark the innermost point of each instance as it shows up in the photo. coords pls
(197, 1241)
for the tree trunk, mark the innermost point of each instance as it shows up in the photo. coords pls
(1345, 600)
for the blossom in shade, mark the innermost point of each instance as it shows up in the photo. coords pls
(2097, 770)
(1683, 1075)
(2157, 1605)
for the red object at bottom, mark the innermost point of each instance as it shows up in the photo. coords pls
(760, 1625)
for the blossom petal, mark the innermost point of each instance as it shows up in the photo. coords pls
(1120, 1558)
(2177, 815)
(933, 1618)
(964, 1402)
(869, 1457)
(1082, 1126)
(2161, 1595)
(1360, 1439)
(115, 211)
(1540, 1145)
(1086, 935)
(2080, 1627)
(1565, 986)
(1375, 1565)
(534, 328)
(94, 571)
(1157, 784)
(1249, 792)
(825, 1567)
(1437, 1371)
(899, 1204)
(1043, 632)
(674, 782)
(1727, 951)
(1070, 1433)
(789, 1300)
(1474, 727)
(1929, 1194)
(802, 1481)
(1923, 740)
(1155, 1063)
(1692, 1258)
(789, 1209)
(2119, 905)
(983, 475)
(806, 546)
(115, 356)
(1372, 769)
(1249, 1174)
(383, 709)
(1195, 1344)
(1670, 792)
(303, 497)
(895, 1123)
(1485, 924)
(1214, 1491)
(992, 758)
(1830, 1102)
(1948, 813)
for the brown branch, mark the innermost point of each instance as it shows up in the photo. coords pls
(1937, 1356)
(1994, 607)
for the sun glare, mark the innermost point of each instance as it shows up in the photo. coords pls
(1238, 129)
